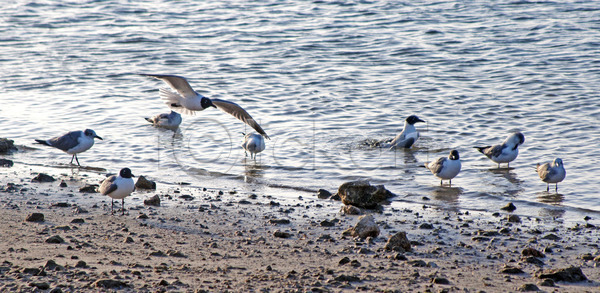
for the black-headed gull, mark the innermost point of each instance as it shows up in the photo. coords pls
(166, 120)
(118, 187)
(505, 152)
(409, 134)
(254, 144)
(72, 142)
(187, 100)
(445, 168)
(552, 172)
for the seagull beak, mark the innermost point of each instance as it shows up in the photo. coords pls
(100, 138)
(419, 120)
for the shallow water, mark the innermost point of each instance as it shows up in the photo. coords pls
(321, 77)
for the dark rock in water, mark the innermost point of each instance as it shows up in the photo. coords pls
(511, 270)
(35, 217)
(109, 284)
(89, 188)
(398, 242)
(366, 227)
(280, 234)
(529, 288)
(571, 275)
(43, 178)
(440, 280)
(6, 163)
(351, 210)
(7, 145)
(532, 252)
(514, 219)
(153, 201)
(509, 207)
(323, 194)
(143, 183)
(362, 194)
(55, 239)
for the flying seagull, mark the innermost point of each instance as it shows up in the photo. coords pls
(186, 100)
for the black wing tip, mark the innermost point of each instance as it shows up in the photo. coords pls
(481, 149)
(42, 142)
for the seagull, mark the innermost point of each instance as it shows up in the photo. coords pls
(166, 120)
(409, 134)
(254, 144)
(118, 187)
(188, 101)
(445, 168)
(505, 152)
(72, 143)
(552, 172)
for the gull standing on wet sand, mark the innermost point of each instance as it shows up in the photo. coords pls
(187, 100)
(72, 143)
(445, 168)
(505, 152)
(254, 144)
(118, 187)
(166, 120)
(552, 173)
(409, 134)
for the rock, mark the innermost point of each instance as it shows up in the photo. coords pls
(529, 288)
(53, 266)
(350, 210)
(551, 237)
(323, 194)
(89, 188)
(157, 253)
(399, 256)
(41, 177)
(55, 239)
(362, 194)
(514, 219)
(7, 145)
(81, 264)
(534, 260)
(417, 263)
(175, 253)
(128, 240)
(143, 183)
(441, 281)
(61, 204)
(35, 217)
(344, 261)
(547, 283)
(326, 223)
(398, 242)
(426, 226)
(279, 221)
(109, 284)
(347, 278)
(63, 184)
(510, 207)
(40, 285)
(80, 210)
(366, 227)
(77, 221)
(532, 252)
(31, 271)
(511, 270)
(280, 234)
(6, 163)
(570, 274)
(153, 201)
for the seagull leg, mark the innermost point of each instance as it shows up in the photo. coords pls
(450, 182)
(547, 187)
(556, 187)
(122, 206)
(441, 182)
(112, 206)
(76, 159)
(73, 157)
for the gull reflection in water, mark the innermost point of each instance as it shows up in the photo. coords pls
(252, 170)
(447, 194)
(553, 199)
(508, 174)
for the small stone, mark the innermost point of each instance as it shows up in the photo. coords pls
(153, 201)
(355, 263)
(417, 263)
(61, 204)
(347, 278)
(570, 274)
(163, 283)
(31, 271)
(279, 221)
(323, 194)
(89, 188)
(77, 221)
(440, 281)
(62, 184)
(40, 285)
(551, 237)
(398, 242)
(534, 260)
(52, 265)
(80, 210)
(6, 163)
(7, 145)
(399, 256)
(547, 283)
(175, 253)
(529, 288)
(514, 219)
(366, 227)
(55, 239)
(128, 240)
(41, 177)
(143, 183)
(280, 234)
(344, 261)
(426, 226)
(511, 270)
(351, 210)
(142, 217)
(109, 284)
(532, 252)
(326, 223)
(510, 207)
(81, 264)
(35, 217)
(157, 253)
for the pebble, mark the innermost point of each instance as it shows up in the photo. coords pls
(529, 288)
(35, 217)
(77, 221)
(514, 219)
(6, 163)
(280, 234)
(109, 284)
(55, 239)
(344, 261)
(153, 201)
(323, 194)
(81, 264)
(440, 281)
(40, 285)
(398, 242)
(88, 188)
(143, 183)
(532, 252)
(570, 274)
(279, 221)
(41, 177)
(511, 270)
(510, 207)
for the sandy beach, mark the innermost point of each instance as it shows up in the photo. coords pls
(221, 240)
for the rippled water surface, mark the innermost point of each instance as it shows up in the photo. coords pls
(321, 77)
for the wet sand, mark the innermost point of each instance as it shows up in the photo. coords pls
(245, 242)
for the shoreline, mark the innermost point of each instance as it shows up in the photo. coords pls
(251, 241)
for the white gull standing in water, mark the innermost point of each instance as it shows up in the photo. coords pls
(445, 168)
(254, 144)
(505, 152)
(552, 173)
(409, 134)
